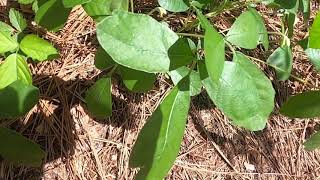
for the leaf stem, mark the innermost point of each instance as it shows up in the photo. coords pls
(132, 6)
(191, 35)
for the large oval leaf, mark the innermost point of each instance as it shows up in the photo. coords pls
(99, 99)
(18, 149)
(159, 141)
(282, 60)
(174, 5)
(52, 15)
(137, 41)
(17, 99)
(305, 105)
(38, 48)
(214, 47)
(244, 93)
(102, 8)
(247, 31)
(14, 68)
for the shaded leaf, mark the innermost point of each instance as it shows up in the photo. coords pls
(102, 8)
(52, 15)
(313, 142)
(72, 3)
(282, 59)
(38, 48)
(19, 150)
(103, 60)
(175, 5)
(159, 141)
(17, 99)
(99, 99)
(305, 105)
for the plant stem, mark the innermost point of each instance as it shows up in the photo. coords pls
(230, 47)
(132, 6)
(191, 35)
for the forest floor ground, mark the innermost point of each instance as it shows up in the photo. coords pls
(80, 147)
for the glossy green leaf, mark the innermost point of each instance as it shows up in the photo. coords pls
(244, 93)
(246, 30)
(103, 60)
(17, 99)
(195, 81)
(17, 20)
(99, 99)
(282, 59)
(14, 68)
(159, 141)
(214, 47)
(137, 41)
(313, 142)
(305, 105)
(19, 150)
(102, 8)
(72, 3)
(52, 15)
(38, 48)
(7, 42)
(137, 81)
(175, 5)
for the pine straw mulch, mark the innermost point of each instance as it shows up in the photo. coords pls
(80, 147)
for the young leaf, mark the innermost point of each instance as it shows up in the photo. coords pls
(17, 99)
(95, 9)
(244, 93)
(305, 105)
(195, 81)
(175, 5)
(73, 3)
(137, 81)
(245, 31)
(14, 68)
(19, 150)
(7, 42)
(52, 15)
(99, 99)
(17, 20)
(133, 40)
(214, 47)
(103, 60)
(159, 141)
(5, 28)
(282, 59)
(313, 142)
(38, 48)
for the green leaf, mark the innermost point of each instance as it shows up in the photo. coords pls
(244, 93)
(214, 47)
(17, 20)
(19, 150)
(38, 48)
(103, 60)
(313, 142)
(52, 15)
(14, 68)
(99, 99)
(305, 7)
(314, 34)
(137, 41)
(137, 81)
(195, 81)
(175, 5)
(25, 1)
(245, 31)
(159, 141)
(305, 105)
(73, 3)
(5, 28)
(263, 37)
(17, 99)
(180, 54)
(282, 59)
(314, 56)
(7, 42)
(102, 8)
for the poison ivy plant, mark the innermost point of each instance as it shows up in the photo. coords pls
(17, 94)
